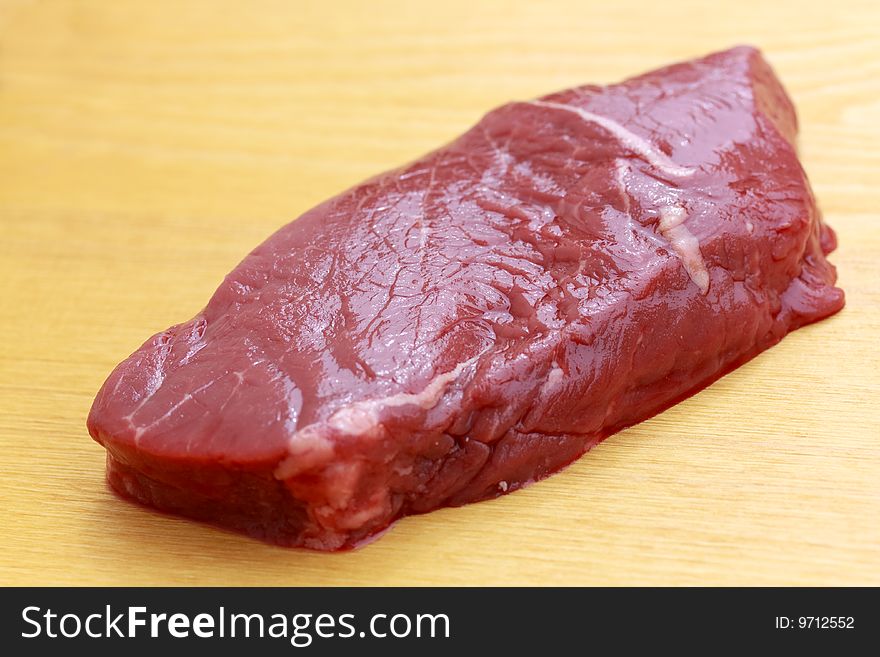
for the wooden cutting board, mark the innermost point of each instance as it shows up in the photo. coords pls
(145, 147)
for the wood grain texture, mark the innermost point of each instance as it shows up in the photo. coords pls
(146, 147)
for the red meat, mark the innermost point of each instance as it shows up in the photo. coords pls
(469, 323)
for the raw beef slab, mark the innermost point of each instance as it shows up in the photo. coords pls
(460, 327)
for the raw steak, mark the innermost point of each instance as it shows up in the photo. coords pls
(460, 327)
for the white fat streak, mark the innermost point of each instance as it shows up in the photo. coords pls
(139, 431)
(685, 244)
(362, 416)
(621, 168)
(554, 378)
(311, 444)
(632, 141)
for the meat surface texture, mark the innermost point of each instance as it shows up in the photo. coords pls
(472, 322)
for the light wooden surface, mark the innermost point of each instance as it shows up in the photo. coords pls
(145, 147)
